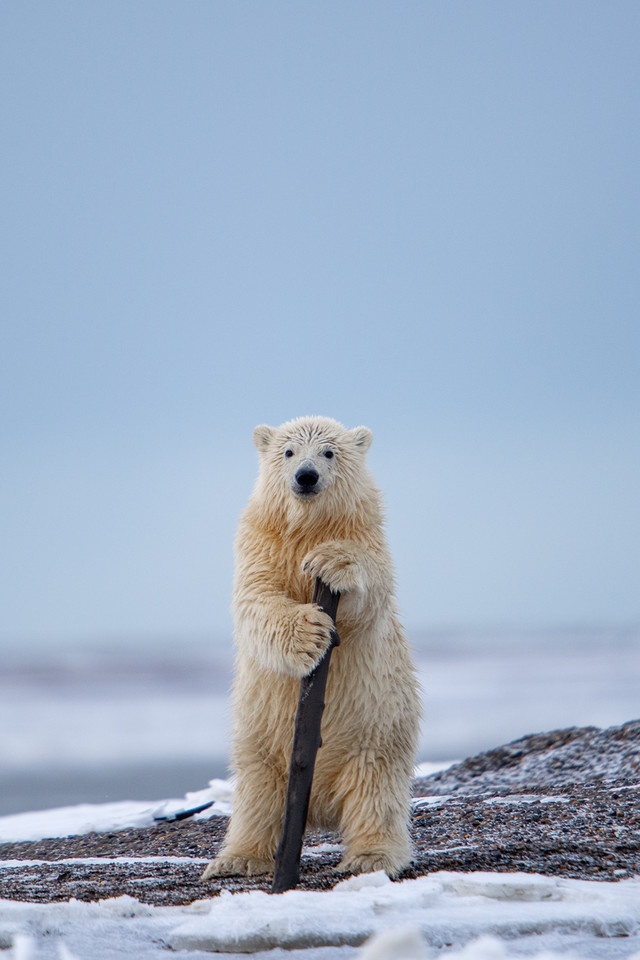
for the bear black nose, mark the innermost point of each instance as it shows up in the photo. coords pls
(307, 477)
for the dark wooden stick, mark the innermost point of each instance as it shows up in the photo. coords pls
(306, 742)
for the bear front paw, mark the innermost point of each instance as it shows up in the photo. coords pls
(335, 566)
(312, 629)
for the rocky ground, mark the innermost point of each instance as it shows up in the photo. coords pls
(565, 803)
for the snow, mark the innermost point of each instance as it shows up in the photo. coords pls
(525, 798)
(448, 908)
(477, 916)
(100, 861)
(104, 817)
(426, 768)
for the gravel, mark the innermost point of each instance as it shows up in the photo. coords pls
(574, 755)
(565, 803)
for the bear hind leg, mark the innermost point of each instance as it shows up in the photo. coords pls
(375, 815)
(255, 826)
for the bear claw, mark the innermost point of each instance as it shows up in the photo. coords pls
(236, 866)
(333, 566)
(311, 637)
(370, 863)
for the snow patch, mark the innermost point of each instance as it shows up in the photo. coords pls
(105, 817)
(316, 849)
(429, 801)
(447, 908)
(99, 861)
(408, 944)
(219, 793)
(527, 798)
(428, 767)
(474, 916)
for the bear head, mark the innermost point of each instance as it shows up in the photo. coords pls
(312, 460)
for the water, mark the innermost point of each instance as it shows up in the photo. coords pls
(90, 723)
(483, 689)
(50, 787)
(123, 722)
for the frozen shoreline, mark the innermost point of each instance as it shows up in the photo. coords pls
(153, 712)
(503, 861)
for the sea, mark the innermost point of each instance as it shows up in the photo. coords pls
(150, 719)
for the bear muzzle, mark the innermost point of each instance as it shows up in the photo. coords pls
(305, 482)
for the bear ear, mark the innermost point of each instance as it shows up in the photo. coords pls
(262, 436)
(362, 438)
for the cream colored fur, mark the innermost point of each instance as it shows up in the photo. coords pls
(370, 722)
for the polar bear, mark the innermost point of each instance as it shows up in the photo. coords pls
(316, 512)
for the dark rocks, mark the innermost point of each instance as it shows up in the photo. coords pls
(586, 831)
(575, 755)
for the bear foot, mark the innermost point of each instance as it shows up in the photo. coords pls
(370, 862)
(230, 865)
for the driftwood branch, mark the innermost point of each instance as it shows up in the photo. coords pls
(306, 742)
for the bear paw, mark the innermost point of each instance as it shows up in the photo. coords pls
(370, 862)
(334, 565)
(312, 629)
(235, 865)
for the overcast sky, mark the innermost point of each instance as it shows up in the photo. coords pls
(419, 216)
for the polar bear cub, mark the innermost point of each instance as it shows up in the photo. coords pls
(315, 512)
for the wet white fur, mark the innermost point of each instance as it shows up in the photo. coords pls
(370, 723)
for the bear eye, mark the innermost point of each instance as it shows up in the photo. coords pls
(288, 453)
(328, 454)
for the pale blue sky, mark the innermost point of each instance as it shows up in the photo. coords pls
(420, 216)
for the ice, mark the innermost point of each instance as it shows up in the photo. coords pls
(104, 817)
(447, 908)
(100, 861)
(477, 916)
(430, 801)
(525, 798)
(218, 792)
(121, 927)
(408, 944)
(400, 944)
(426, 768)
